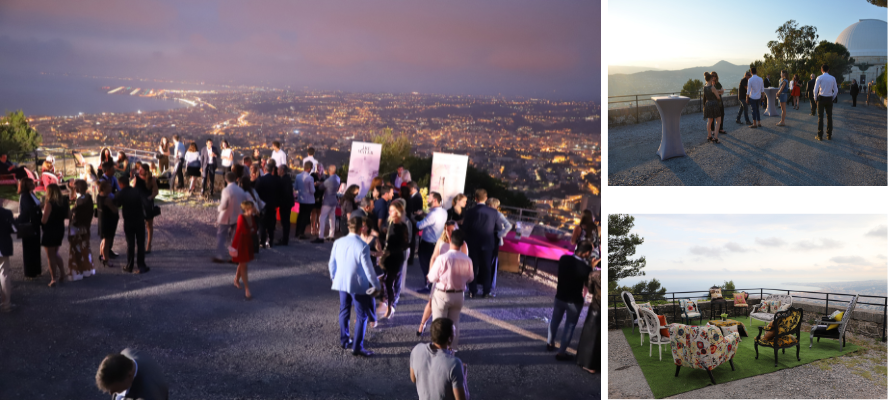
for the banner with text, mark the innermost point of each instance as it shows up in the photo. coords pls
(448, 175)
(363, 165)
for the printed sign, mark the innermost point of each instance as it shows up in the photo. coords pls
(448, 176)
(363, 165)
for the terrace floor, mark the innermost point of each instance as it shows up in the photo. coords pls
(772, 155)
(861, 374)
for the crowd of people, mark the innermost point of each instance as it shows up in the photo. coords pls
(821, 91)
(377, 238)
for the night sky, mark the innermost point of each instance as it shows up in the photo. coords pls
(548, 49)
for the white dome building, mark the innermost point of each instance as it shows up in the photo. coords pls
(867, 41)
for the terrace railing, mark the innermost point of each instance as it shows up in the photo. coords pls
(615, 299)
(636, 100)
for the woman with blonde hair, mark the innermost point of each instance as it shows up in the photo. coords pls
(192, 166)
(795, 90)
(457, 206)
(242, 251)
(55, 211)
(80, 261)
(394, 258)
(441, 247)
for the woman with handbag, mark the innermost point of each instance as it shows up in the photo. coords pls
(55, 211)
(241, 249)
(259, 205)
(28, 227)
(146, 184)
(80, 262)
(394, 257)
(108, 218)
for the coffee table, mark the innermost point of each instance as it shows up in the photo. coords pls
(730, 322)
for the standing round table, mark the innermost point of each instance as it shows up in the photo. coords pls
(773, 110)
(670, 116)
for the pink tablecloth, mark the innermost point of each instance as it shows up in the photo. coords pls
(536, 246)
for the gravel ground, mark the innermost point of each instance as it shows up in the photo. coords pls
(283, 344)
(860, 375)
(770, 156)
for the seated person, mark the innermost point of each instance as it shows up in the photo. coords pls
(8, 167)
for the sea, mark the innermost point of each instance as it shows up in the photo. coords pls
(59, 95)
(702, 285)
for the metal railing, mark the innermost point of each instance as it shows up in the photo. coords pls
(617, 299)
(638, 99)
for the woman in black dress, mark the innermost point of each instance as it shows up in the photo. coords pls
(458, 206)
(348, 203)
(55, 211)
(589, 347)
(711, 109)
(397, 243)
(105, 156)
(108, 219)
(30, 212)
(146, 184)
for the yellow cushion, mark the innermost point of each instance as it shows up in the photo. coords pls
(838, 317)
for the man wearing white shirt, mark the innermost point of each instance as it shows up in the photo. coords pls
(754, 89)
(177, 179)
(278, 155)
(229, 209)
(432, 226)
(825, 90)
(450, 274)
(312, 160)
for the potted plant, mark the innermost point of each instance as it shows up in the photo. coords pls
(724, 316)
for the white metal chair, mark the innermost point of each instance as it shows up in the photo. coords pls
(652, 329)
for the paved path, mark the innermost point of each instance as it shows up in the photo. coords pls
(283, 344)
(770, 156)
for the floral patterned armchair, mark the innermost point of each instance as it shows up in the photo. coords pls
(689, 310)
(701, 347)
(788, 325)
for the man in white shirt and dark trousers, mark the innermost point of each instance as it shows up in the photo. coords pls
(312, 160)
(177, 179)
(825, 90)
(437, 373)
(229, 209)
(432, 226)
(450, 274)
(278, 155)
(754, 89)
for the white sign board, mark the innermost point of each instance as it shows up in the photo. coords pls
(363, 165)
(448, 176)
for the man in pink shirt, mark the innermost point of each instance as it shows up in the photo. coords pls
(450, 274)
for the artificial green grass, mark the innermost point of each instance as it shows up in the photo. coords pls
(660, 375)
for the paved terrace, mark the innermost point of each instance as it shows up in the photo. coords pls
(770, 156)
(281, 345)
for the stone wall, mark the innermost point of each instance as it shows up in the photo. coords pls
(864, 322)
(627, 116)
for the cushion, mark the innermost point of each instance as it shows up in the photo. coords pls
(727, 330)
(837, 317)
(783, 341)
(646, 306)
(833, 315)
(663, 331)
(715, 293)
(690, 307)
(770, 306)
(769, 333)
(740, 301)
(783, 307)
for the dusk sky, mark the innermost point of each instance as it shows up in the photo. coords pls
(545, 49)
(755, 249)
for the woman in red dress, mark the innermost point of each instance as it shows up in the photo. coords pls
(242, 250)
(796, 91)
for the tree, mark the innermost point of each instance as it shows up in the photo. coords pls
(879, 3)
(16, 135)
(395, 151)
(794, 45)
(836, 56)
(692, 88)
(727, 288)
(881, 84)
(652, 290)
(621, 246)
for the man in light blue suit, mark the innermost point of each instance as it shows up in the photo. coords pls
(353, 276)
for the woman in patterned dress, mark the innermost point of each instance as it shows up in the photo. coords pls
(80, 262)
(711, 108)
(242, 244)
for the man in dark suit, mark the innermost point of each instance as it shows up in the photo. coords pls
(479, 225)
(855, 90)
(133, 375)
(133, 203)
(6, 231)
(209, 159)
(414, 211)
(269, 190)
(287, 202)
(741, 96)
(809, 91)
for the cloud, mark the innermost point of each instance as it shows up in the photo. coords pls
(882, 257)
(880, 231)
(858, 260)
(818, 244)
(711, 252)
(735, 248)
(770, 242)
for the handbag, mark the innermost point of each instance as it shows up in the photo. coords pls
(232, 252)
(24, 229)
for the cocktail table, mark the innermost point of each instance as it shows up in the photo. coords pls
(773, 110)
(670, 117)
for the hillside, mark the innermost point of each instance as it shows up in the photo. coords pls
(671, 81)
